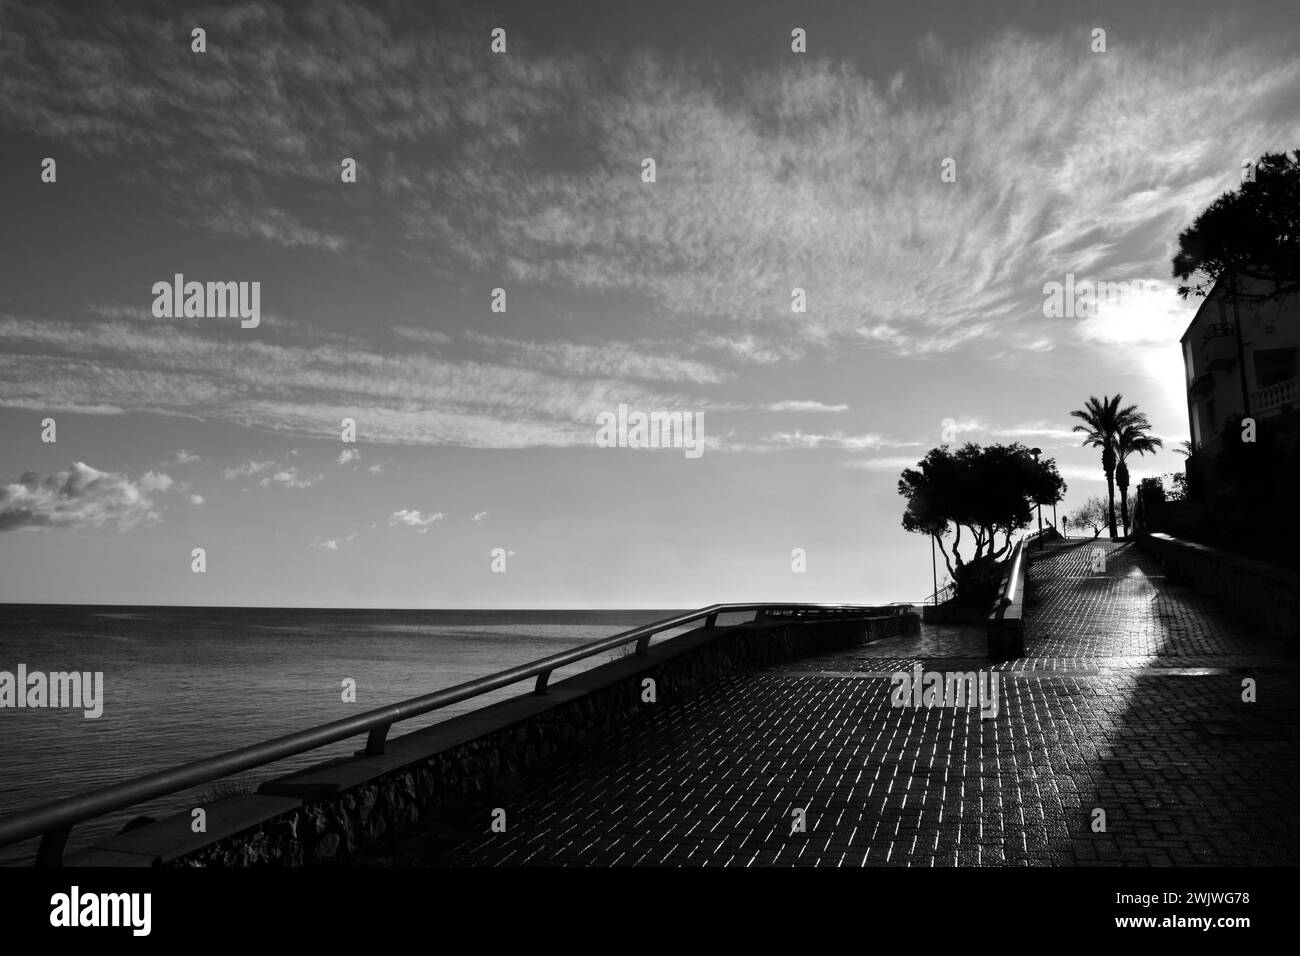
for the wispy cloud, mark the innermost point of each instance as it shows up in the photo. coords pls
(78, 498)
(246, 470)
(799, 439)
(422, 336)
(811, 174)
(155, 481)
(1030, 430)
(289, 478)
(333, 544)
(751, 348)
(303, 388)
(415, 519)
(616, 360)
(894, 463)
(805, 406)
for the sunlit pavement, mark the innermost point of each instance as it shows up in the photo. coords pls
(1129, 702)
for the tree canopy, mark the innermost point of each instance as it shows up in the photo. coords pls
(1251, 231)
(985, 490)
(1093, 514)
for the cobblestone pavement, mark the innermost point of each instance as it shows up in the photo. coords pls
(1128, 702)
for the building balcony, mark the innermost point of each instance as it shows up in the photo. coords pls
(1203, 456)
(1219, 346)
(1276, 396)
(1202, 384)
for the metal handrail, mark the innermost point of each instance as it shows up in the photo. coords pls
(1218, 330)
(54, 821)
(1008, 596)
(945, 592)
(933, 598)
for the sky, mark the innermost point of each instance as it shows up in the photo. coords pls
(922, 172)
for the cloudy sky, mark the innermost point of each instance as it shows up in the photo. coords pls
(522, 170)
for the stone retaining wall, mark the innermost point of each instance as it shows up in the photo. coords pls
(1263, 594)
(335, 827)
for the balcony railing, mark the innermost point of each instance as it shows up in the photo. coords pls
(1203, 383)
(1218, 346)
(1275, 396)
(1218, 330)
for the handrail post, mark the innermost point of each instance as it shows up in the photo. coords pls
(375, 740)
(540, 686)
(50, 851)
(643, 645)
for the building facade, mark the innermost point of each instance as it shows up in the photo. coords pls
(1255, 374)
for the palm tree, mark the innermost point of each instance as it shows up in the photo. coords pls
(1184, 448)
(1131, 437)
(1102, 420)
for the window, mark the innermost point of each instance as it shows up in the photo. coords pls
(1273, 366)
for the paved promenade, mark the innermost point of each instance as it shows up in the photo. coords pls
(1129, 700)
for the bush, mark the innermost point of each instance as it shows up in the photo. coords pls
(978, 581)
(1152, 492)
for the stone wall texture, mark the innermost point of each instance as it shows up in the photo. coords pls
(1263, 594)
(334, 829)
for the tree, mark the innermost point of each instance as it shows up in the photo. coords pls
(986, 491)
(1152, 490)
(1149, 504)
(1184, 448)
(1091, 514)
(1253, 232)
(1175, 483)
(1102, 421)
(1131, 438)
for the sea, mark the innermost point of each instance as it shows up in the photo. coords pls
(183, 683)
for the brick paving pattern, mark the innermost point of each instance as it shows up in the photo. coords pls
(1129, 700)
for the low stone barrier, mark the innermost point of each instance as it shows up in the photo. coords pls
(339, 809)
(1006, 622)
(1263, 594)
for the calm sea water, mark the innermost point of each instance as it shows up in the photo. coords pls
(185, 683)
